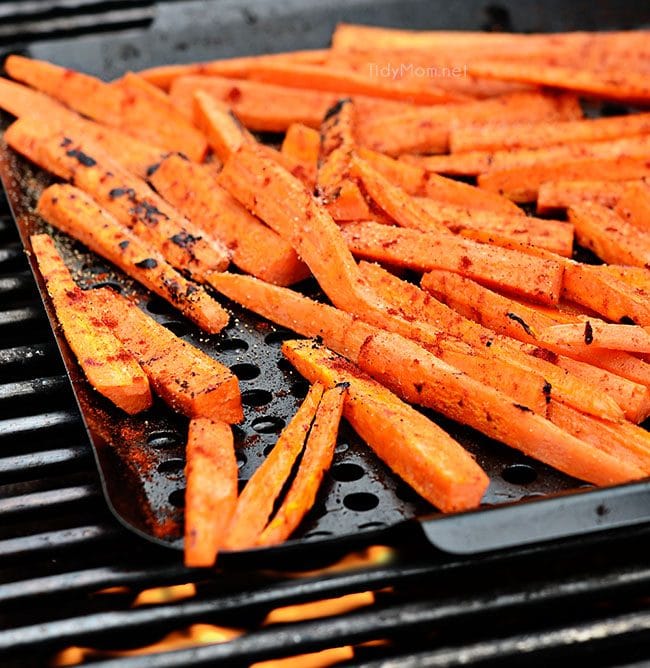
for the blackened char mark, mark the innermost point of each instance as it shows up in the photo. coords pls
(184, 239)
(589, 333)
(336, 108)
(522, 322)
(121, 192)
(82, 158)
(147, 263)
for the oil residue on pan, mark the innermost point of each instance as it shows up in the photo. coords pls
(141, 458)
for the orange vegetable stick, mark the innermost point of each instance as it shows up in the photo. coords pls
(609, 236)
(480, 162)
(110, 369)
(256, 501)
(265, 107)
(336, 192)
(637, 277)
(346, 82)
(256, 249)
(124, 195)
(596, 288)
(134, 155)
(128, 105)
(632, 398)
(563, 194)
(163, 76)
(419, 451)
(417, 181)
(506, 316)
(316, 460)
(418, 376)
(537, 135)
(522, 184)
(302, 144)
(613, 84)
(535, 278)
(211, 492)
(394, 201)
(426, 130)
(75, 213)
(190, 381)
(621, 440)
(598, 334)
(634, 205)
(416, 305)
(553, 235)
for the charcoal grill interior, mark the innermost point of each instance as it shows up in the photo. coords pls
(72, 576)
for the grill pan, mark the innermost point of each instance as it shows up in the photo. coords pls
(140, 458)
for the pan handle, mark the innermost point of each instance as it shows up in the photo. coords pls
(526, 522)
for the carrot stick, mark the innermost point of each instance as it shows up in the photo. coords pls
(553, 235)
(634, 205)
(186, 378)
(163, 76)
(473, 163)
(596, 288)
(265, 107)
(537, 135)
(75, 213)
(394, 201)
(426, 130)
(124, 195)
(337, 193)
(613, 84)
(609, 236)
(346, 82)
(535, 278)
(211, 492)
(418, 376)
(110, 369)
(522, 184)
(256, 249)
(621, 440)
(302, 144)
(316, 460)
(564, 194)
(633, 398)
(585, 394)
(506, 316)
(419, 451)
(128, 105)
(256, 501)
(598, 334)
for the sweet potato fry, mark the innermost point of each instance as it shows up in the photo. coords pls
(316, 460)
(211, 491)
(75, 213)
(164, 75)
(597, 288)
(187, 379)
(416, 305)
(336, 192)
(421, 453)
(506, 316)
(609, 236)
(536, 278)
(419, 376)
(258, 497)
(426, 130)
(109, 368)
(256, 249)
(302, 144)
(537, 135)
(128, 105)
(522, 184)
(124, 195)
(598, 334)
(564, 194)
(636, 277)
(634, 205)
(347, 82)
(614, 84)
(473, 163)
(621, 440)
